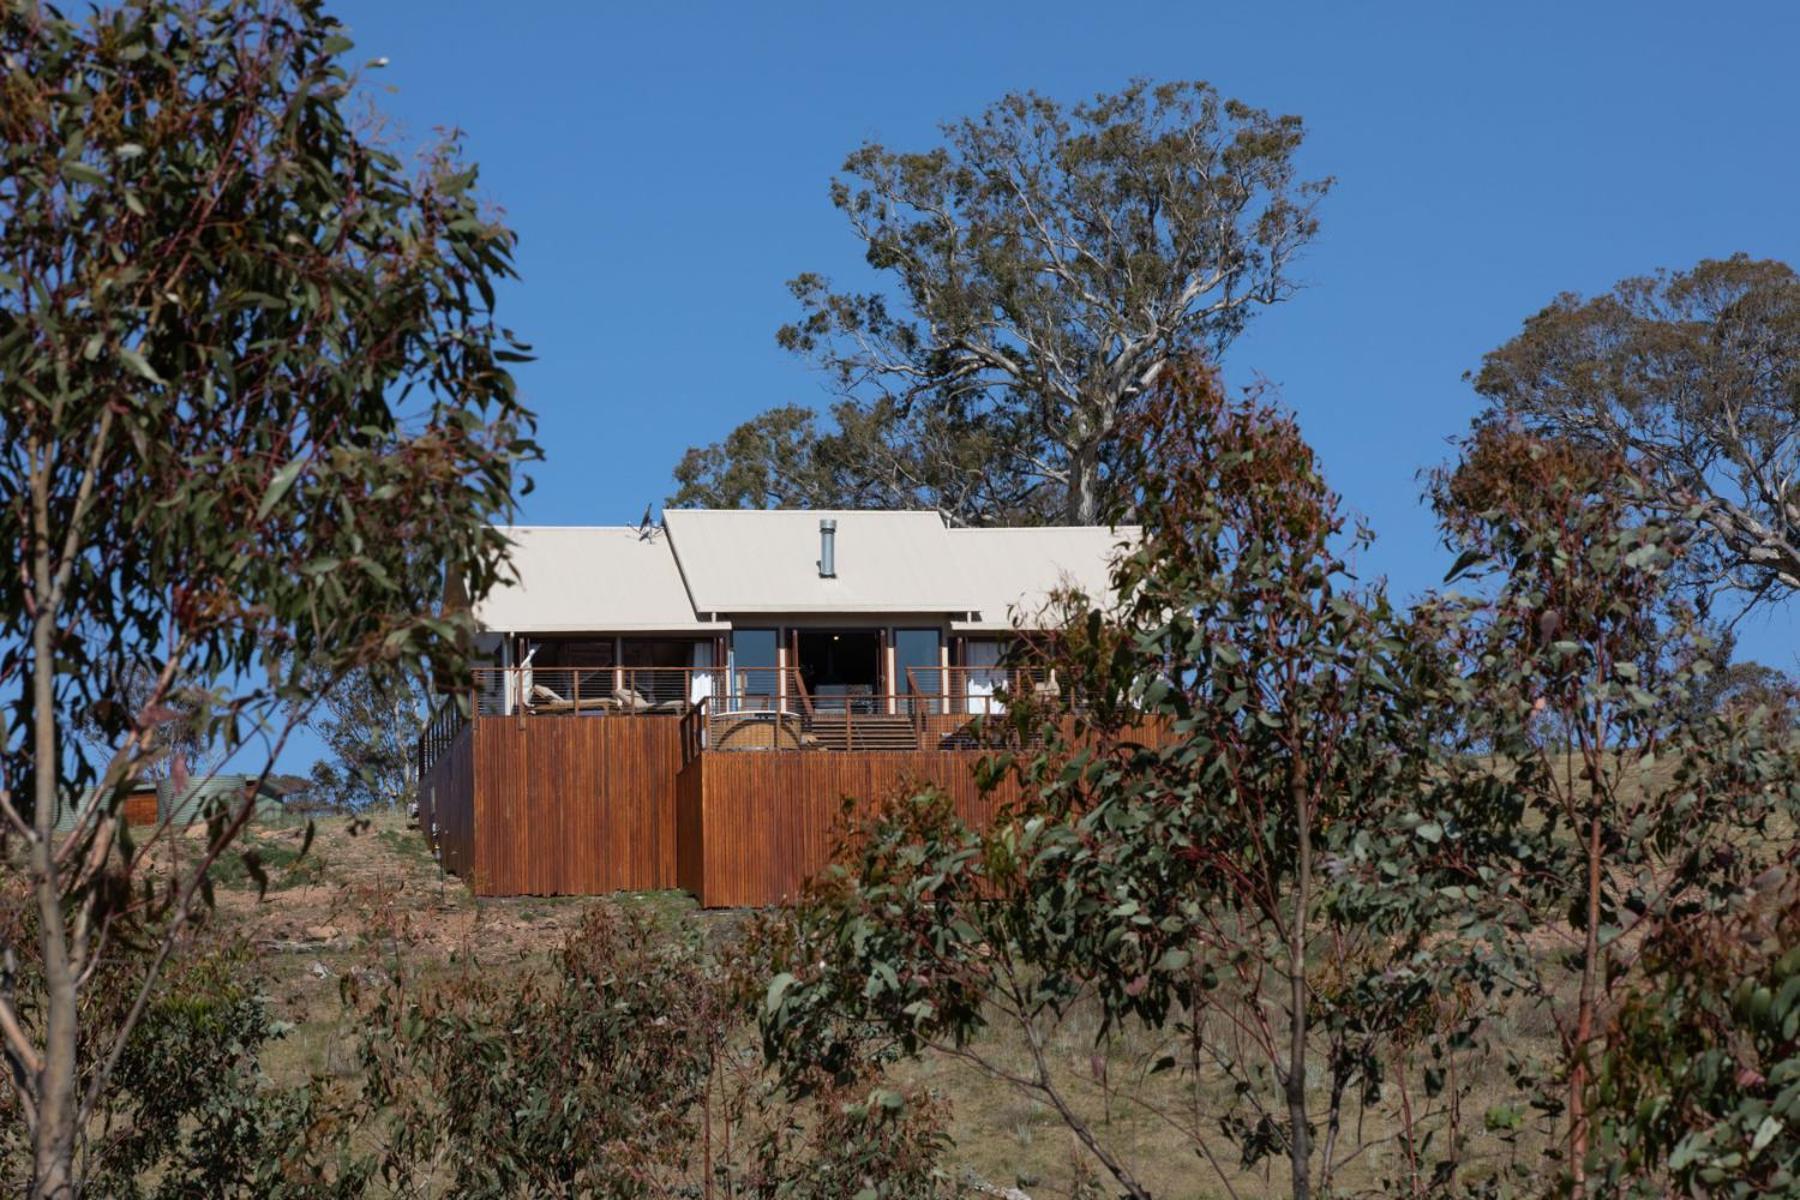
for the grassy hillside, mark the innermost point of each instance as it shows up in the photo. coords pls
(367, 899)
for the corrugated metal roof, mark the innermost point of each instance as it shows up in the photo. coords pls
(1009, 574)
(66, 808)
(743, 561)
(208, 794)
(584, 579)
(617, 579)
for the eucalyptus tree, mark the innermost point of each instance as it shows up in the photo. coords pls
(1694, 1093)
(255, 400)
(1632, 815)
(1044, 265)
(1231, 843)
(370, 722)
(1693, 379)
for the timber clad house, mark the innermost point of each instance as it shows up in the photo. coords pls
(688, 705)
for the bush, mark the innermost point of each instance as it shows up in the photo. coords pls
(1699, 1089)
(624, 1070)
(189, 1112)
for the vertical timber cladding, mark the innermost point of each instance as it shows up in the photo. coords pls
(763, 823)
(447, 804)
(140, 808)
(690, 828)
(576, 806)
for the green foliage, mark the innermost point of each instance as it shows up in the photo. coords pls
(1321, 847)
(1693, 379)
(254, 357)
(613, 1074)
(257, 404)
(280, 863)
(1631, 810)
(881, 1143)
(190, 1112)
(1046, 262)
(1234, 835)
(1701, 1075)
(578, 1081)
(193, 1114)
(371, 724)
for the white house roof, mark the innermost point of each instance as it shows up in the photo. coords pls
(584, 579)
(1010, 574)
(742, 561)
(705, 567)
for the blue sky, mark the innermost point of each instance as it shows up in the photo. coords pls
(666, 167)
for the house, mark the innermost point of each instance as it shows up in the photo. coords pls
(204, 796)
(629, 670)
(139, 805)
(150, 802)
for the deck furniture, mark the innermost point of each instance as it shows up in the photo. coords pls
(545, 701)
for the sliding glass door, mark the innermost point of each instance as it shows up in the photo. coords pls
(984, 676)
(755, 657)
(918, 668)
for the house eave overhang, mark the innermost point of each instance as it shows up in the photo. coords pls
(831, 610)
(591, 629)
(985, 627)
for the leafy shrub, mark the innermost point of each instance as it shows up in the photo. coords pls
(620, 1072)
(883, 1143)
(575, 1081)
(1699, 1089)
(282, 865)
(189, 1111)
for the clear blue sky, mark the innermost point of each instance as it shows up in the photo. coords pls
(666, 166)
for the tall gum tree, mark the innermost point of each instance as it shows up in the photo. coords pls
(1230, 846)
(255, 402)
(1693, 379)
(1046, 262)
(1626, 811)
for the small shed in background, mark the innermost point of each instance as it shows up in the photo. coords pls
(205, 795)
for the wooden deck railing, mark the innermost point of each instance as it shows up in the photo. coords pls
(566, 691)
(693, 731)
(757, 708)
(865, 721)
(977, 690)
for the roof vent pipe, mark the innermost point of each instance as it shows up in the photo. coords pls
(827, 548)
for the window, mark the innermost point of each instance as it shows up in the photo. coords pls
(917, 665)
(984, 676)
(755, 655)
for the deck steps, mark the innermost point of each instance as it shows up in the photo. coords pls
(835, 731)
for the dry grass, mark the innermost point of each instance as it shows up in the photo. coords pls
(368, 895)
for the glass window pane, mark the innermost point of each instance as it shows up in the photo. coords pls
(916, 662)
(754, 657)
(984, 676)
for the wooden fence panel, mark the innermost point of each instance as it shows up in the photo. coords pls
(588, 805)
(690, 829)
(766, 822)
(447, 804)
(574, 807)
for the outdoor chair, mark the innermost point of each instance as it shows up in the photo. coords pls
(544, 700)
